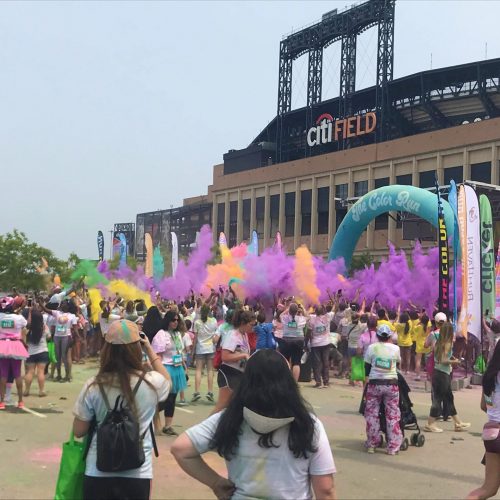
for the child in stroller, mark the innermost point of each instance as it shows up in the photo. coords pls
(408, 418)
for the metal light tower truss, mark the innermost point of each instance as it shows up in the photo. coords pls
(333, 27)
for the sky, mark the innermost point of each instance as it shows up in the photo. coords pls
(109, 109)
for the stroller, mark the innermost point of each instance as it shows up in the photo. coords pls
(408, 420)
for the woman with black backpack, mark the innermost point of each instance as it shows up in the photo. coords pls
(121, 383)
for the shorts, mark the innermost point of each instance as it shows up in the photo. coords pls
(493, 446)
(352, 351)
(229, 377)
(292, 349)
(10, 366)
(106, 488)
(40, 358)
(209, 355)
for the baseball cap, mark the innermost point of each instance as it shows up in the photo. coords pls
(122, 332)
(440, 317)
(384, 331)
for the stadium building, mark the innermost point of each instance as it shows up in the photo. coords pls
(306, 168)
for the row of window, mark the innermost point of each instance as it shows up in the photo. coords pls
(480, 172)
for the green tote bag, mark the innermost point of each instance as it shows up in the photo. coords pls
(71, 471)
(358, 368)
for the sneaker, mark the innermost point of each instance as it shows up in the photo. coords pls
(462, 426)
(196, 397)
(42, 394)
(370, 450)
(168, 431)
(317, 386)
(432, 428)
(2, 406)
(392, 453)
(20, 404)
(418, 377)
(182, 402)
(210, 397)
(58, 379)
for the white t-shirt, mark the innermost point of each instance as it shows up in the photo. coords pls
(90, 404)
(11, 326)
(205, 332)
(293, 327)
(383, 357)
(168, 345)
(320, 330)
(63, 323)
(106, 322)
(235, 341)
(41, 346)
(272, 473)
(493, 402)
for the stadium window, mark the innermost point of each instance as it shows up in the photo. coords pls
(341, 191)
(305, 212)
(221, 215)
(382, 221)
(247, 207)
(455, 173)
(404, 180)
(427, 179)
(360, 188)
(259, 215)
(275, 214)
(233, 223)
(323, 206)
(481, 172)
(289, 214)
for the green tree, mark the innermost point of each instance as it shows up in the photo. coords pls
(360, 262)
(20, 259)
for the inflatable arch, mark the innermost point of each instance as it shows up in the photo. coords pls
(394, 198)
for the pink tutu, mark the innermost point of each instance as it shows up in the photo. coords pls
(13, 349)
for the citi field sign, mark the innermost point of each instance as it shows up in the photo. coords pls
(328, 129)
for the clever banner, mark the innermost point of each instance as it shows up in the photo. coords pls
(393, 198)
(444, 271)
(487, 257)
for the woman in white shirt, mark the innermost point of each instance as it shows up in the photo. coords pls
(38, 351)
(273, 445)
(120, 371)
(292, 345)
(490, 403)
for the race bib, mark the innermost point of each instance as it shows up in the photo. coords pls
(292, 324)
(7, 323)
(383, 363)
(177, 359)
(61, 328)
(320, 329)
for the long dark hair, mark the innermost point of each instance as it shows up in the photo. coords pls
(169, 317)
(118, 363)
(152, 323)
(267, 388)
(490, 375)
(204, 311)
(35, 331)
(404, 318)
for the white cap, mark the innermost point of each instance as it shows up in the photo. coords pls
(440, 317)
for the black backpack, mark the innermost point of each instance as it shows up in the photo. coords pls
(119, 444)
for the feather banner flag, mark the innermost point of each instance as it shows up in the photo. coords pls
(253, 248)
(158, 265)
(100, 245)
(175, 253)
(487, 257)
(148, 244)
(222, 239)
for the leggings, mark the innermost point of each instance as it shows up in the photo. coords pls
(442, 400)
(116, 488)
(61, 345)
(169, 405)
(321, 363)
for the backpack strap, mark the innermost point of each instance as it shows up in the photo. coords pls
(104, 397)
(153, 439)
(136, 388)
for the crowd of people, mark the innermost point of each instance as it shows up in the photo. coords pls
(240, 344)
